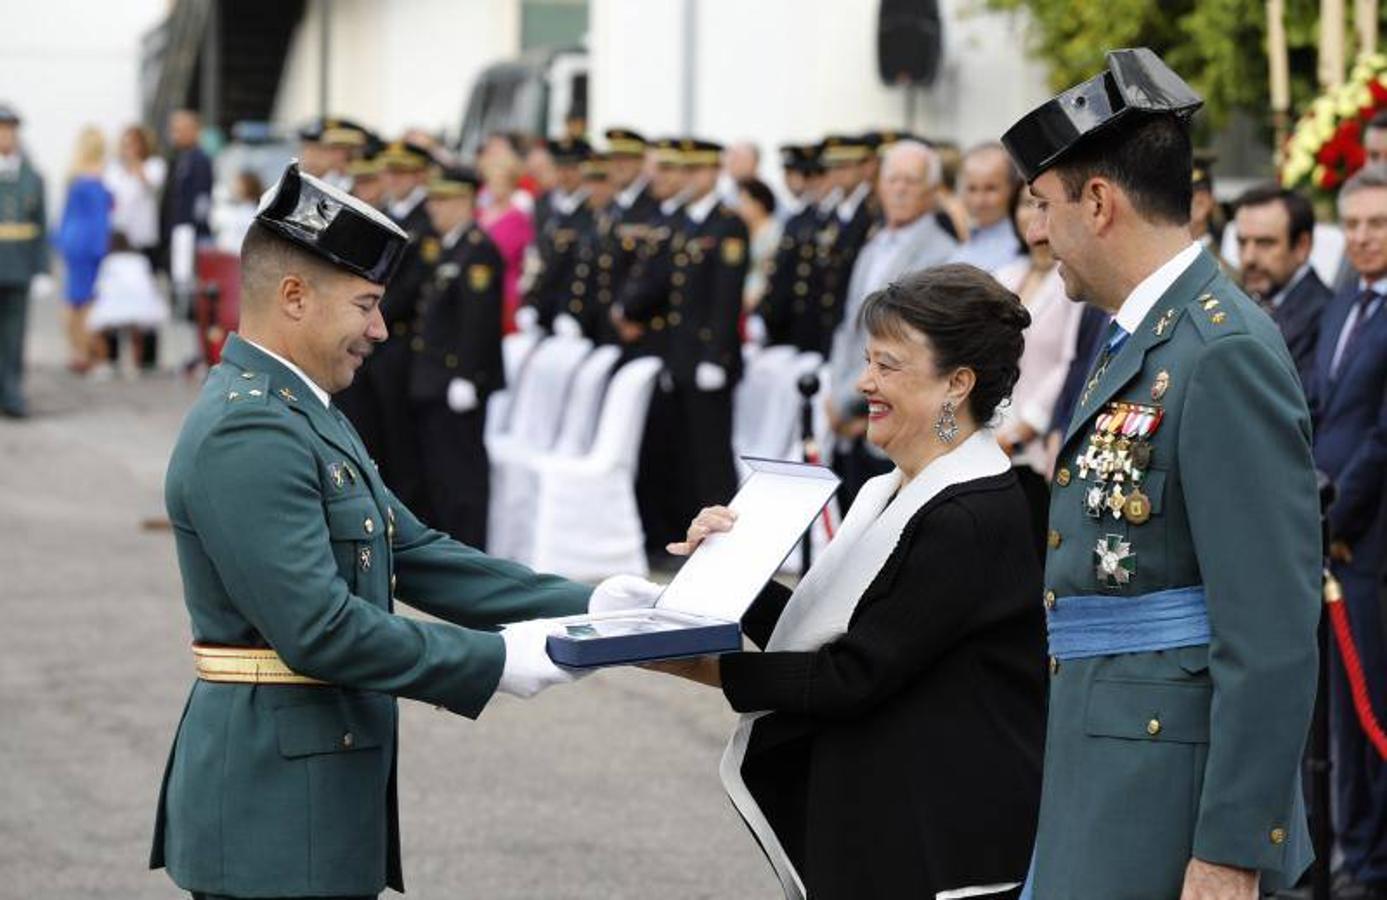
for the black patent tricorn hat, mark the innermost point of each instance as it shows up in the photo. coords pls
(1137, 82)
(338, 227)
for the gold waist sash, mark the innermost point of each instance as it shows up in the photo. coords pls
(245, 665)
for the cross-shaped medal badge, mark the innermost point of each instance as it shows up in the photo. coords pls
(1114, 561)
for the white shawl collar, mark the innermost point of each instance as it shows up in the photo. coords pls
(822, 605)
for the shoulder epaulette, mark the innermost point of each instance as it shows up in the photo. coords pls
(1216, 317)
(248, 387)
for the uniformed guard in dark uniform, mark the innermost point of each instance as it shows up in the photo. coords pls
(23, 254)
(704, 356)
(455, 358)
(849, 161)
(385, 418)
(561, 216)
(790, 287)
(596, 273)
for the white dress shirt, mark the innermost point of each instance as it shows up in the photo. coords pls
(1153, 286)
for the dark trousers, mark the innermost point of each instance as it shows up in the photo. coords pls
(14, 318)
(400, 460)
(455, 468)
(704, 445)
(855, 465)
(658, 477)
(1360, 775)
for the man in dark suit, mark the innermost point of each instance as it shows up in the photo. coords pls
(455, 349)
(1275, 228)
(1346, 392)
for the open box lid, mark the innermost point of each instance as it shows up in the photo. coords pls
(775, 506)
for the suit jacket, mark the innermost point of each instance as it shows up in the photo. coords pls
(1298, 317)
(1346, 410)
(1152, 757)
(287, 538)
(188, 193)
(457, 328)
(923, 245)
(705, 301)
(23, 227)
(904, 757)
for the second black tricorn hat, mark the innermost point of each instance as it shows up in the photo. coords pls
(323, 220)
(1137, 82)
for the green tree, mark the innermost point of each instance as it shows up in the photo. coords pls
(1218, 45)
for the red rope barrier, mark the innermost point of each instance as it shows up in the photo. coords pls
(1353, 666)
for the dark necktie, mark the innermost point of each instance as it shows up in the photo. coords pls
(1363, 304)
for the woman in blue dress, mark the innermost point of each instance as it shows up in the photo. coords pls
(82, 237)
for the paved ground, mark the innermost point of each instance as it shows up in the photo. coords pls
(607, 789)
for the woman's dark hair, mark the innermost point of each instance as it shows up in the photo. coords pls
(757, 190)
(969, 320)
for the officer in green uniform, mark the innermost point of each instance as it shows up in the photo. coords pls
(281, 781)
(1182, 575)
(23, 254)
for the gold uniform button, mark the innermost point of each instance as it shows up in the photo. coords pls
(677, 279)
(657, 323)
(1054, 665)
(1278, 835)
(1062, 477)
(675, 318)
(575, 306)
(417, 344)
(369, 525)
(451, 361)
(348, 740)
(1049, 599)
(681, 259)
(1153, 727)
(581, 270)
(1054, 539)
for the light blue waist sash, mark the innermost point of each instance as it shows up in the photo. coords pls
(1098, 625)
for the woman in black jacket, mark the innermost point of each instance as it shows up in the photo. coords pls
(894, 723)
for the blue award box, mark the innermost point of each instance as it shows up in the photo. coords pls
(700, 611)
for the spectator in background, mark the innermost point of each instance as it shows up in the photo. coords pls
(740, 162)
(188, 192)
(540, 173)
(506, 221)
(23, 257)
(1276, 230)
(756, 206)
(989, 181)
(82, 235)
(952, 215)
(1346, 392)
(910, 240)
(233, 219)
(1375, 139)
(135, 179)
(127, 299)
(1205, 224)
(1050, 346)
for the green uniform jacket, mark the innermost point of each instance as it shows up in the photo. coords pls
(1152, 758)
(287, 538)
(23, 227)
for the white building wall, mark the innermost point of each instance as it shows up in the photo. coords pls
(779, 70)
(396, 64)
(69, 63)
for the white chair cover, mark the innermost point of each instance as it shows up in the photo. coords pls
(515, 351)
(586, 523)
(535, 416)
(754, 396)
(514, 491)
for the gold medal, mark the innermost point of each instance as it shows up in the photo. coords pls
(1137, 509)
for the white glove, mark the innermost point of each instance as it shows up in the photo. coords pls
(527, 319)
(710, 377)
(567, 326)
(462, 395)
(42, 286)
(756, 330)
(624, 592)
(528, 669)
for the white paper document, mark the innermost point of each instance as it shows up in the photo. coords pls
(775, 506)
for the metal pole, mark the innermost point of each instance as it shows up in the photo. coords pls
(688, 94)
(324, 53)
(808, 386)
(209, 103)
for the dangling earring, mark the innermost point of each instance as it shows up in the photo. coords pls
(946, 426)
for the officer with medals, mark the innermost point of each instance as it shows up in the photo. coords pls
(1183, 569)
(455, 342)
(850, 162)
(596, 275)
(281, 781)
(561, 216)
(790, 281)
(23, 256)
(704, 357)
(626, 164)
(378, 403)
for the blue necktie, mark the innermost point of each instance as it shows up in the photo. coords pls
(1117, 336)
